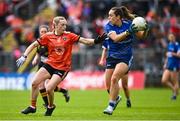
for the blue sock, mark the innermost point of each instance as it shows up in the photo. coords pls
(112, 103)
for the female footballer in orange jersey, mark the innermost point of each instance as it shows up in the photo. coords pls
(59, 44)
(40, 58)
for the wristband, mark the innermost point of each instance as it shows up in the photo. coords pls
(127, 33)
(25, 56)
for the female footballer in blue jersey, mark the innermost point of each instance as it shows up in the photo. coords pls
(124, 79)
(120, 33)
(171, 66)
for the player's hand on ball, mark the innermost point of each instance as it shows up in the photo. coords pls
(146, 27)
(100, 38)
(132, 29)
(21, 60)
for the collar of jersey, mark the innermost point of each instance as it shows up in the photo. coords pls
(58, 35)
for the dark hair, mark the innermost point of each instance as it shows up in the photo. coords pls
(44, 26)
(123, 12)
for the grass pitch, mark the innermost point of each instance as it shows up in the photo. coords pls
(148, 104)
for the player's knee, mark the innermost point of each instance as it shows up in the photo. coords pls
(176, 86)
(114, 80)
(34, 84)
(163, 81)
(49, 89)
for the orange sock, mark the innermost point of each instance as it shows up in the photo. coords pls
(33, 103)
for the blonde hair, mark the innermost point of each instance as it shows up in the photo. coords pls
(57, 19)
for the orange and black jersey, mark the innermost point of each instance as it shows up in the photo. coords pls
(42, 51)
(59, 49)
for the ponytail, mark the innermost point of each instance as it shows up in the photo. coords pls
(123, 12)
(126, 13)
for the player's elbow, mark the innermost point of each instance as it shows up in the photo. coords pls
(114, 38)
(117, 39)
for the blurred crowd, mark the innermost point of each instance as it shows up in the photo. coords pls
(88, 17)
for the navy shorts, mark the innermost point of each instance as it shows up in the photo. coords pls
(112, 62)
(172, 67)
(52, 71)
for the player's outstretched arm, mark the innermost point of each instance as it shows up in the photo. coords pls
(97, 40)
(22, 59)
(86, 41)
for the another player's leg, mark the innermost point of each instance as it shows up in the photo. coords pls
(108, 74)
(166, 80)
(64, 91)
(43, 93)
(40, 76)
(174, 78)
(126, 90)
(177, 87)
(44, 96)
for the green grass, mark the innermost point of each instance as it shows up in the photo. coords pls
(148, 104)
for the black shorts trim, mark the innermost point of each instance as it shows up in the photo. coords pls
(52, 71)
(40, 64)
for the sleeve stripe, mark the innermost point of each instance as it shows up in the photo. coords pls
(78, 38)
(38, 42)
(111, 32)
(103, 47)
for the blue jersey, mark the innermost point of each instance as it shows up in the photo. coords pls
(172, 61)
(119, 50)
(105, 44)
